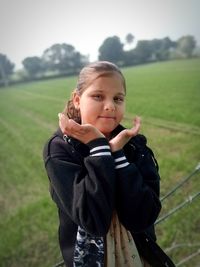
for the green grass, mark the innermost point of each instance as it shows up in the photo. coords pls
(167, 91)
(166, 95)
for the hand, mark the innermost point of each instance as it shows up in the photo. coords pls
(120, 140)
(84, 133)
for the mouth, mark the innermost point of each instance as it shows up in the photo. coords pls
(107, 117)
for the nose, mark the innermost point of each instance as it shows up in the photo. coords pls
(109, 105)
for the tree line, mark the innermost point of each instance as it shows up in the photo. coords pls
(63, 59)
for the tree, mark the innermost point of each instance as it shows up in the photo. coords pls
(111, 50)
(33, 65)
(64, 58)
(151, 50)
(130, 58)
(186, 45)
(129, 38)
(161, 48)
(6, 69)
(143, 51)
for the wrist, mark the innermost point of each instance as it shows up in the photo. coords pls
(99, 147)
(120, 159)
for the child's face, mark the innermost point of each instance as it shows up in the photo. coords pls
(102, 104)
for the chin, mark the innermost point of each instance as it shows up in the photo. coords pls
(106, 132)
(106, 129)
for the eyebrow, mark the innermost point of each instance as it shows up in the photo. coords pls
(101, 91)
(123, 94)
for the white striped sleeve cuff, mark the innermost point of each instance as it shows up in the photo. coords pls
(120, 159)
(99, 147)
(100, 151)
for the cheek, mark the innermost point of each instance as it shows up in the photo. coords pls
(88, 112)
(87, 108)
(87, 105)
(122, 110)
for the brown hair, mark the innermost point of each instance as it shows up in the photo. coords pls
(87, 75)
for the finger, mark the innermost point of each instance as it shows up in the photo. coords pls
(137, 124)
(63, 122)
(62, 117)
(133, 131)
(137, 120)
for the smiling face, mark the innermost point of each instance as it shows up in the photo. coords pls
(102, 103)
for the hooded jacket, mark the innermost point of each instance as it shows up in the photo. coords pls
(88, 182)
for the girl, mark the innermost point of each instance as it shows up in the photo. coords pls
(103, 178)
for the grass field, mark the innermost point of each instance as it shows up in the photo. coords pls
(166, 96)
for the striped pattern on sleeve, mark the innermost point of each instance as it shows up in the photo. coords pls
(99, 147)
(100, 151)
(120, 159)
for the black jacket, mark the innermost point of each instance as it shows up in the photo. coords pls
(87, 189)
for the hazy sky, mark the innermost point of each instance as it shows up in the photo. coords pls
(28, 27)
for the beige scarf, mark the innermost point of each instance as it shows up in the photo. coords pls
(121, 250)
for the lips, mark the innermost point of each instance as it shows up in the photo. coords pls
(107, 117)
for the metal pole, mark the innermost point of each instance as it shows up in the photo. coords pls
(59, 264)
(188, 258)
(188, 200)
(181, 183)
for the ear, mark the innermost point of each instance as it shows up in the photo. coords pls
(76, 100)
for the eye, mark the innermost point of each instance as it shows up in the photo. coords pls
(97, 97)
(119, 99)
